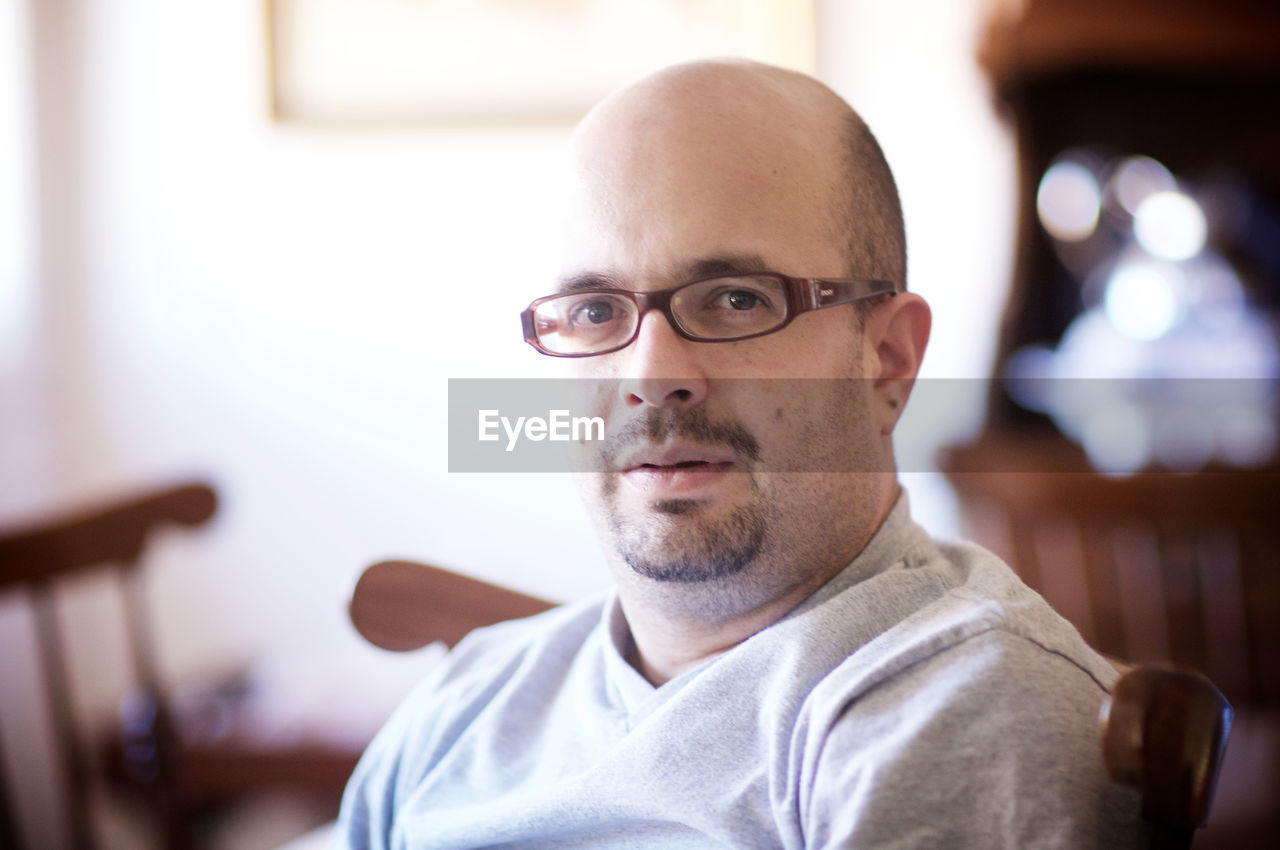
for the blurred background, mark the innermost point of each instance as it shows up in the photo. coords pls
(234, 237)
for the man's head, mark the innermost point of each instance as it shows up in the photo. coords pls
(741, 472)
(772, 125)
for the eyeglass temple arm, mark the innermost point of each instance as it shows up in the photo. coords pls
(529, 324)
(830, 291)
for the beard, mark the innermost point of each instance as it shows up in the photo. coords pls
(678, 541)
(714, 549)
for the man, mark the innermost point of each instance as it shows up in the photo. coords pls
(788, 661)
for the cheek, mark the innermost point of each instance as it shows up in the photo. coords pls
(821, 344)
(814, 425)
(593, 399)
(779, 417)
(590, 383)
(599, 493)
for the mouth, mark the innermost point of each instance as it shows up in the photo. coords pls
(677, 470)
(684, 464)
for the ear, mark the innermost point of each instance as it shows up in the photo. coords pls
(897, 333)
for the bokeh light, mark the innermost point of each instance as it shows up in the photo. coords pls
(1137, 178)
(1142, 300)
(1247, 436)
(1170, 225)
(1068, 200)
(1116, 439)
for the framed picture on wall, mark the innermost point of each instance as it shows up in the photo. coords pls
(368, 63)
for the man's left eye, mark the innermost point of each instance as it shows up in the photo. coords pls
(742, 299)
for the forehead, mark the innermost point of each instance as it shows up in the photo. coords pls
(666, 179)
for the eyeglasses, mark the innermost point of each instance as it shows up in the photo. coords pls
(585, 322)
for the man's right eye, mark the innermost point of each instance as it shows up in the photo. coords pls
(595, 312)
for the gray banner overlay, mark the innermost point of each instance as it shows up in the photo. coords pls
(798, 425)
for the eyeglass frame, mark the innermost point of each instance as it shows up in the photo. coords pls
(804, 295)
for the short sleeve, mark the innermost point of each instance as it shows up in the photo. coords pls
(992, 742)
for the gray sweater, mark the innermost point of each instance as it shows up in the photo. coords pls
(922, 698)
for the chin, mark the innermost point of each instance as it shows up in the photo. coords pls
(676, 544)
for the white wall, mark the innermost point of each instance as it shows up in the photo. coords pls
(271, 306)
(908, 67)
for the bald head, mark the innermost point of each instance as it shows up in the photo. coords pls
(731, 132)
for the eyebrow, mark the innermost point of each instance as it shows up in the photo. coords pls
(718, 264)
(726, 264)
(588, 280)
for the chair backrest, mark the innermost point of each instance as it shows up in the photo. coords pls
(1152, 568)
(1162, 730)
(36, 555)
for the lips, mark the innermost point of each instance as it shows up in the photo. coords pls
(676, 470)
(674, 456)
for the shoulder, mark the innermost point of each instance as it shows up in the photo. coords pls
(936, 600)
(547, 637)
(983, 598)
(980, 708)
(489, 658)
(440, 709)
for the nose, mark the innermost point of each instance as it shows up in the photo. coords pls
(664, 369)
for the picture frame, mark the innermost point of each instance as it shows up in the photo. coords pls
(433, 63)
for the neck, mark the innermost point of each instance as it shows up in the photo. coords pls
(664, 645)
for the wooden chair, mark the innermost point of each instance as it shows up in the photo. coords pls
(1162, 730)
(34, 558)
(178, 774)
(1156, 568)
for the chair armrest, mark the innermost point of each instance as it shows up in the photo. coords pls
(403, 605)
(1164, 731)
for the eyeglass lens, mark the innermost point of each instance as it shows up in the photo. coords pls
(720, 309)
